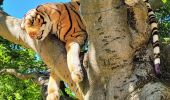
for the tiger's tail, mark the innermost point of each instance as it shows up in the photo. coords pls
(155, 38)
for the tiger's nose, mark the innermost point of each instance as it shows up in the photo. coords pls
(32, 34)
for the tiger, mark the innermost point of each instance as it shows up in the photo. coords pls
(64, 21)
(154, 31)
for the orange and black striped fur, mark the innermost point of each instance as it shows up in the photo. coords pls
(64, 21)
(154, 31)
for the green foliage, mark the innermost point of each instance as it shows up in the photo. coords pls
(70, 93)
(24, 61)
(163, 14)
(12, 88)
(14, 56)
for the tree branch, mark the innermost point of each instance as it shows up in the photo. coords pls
(18, 75)
(74, 0)
(38, 77)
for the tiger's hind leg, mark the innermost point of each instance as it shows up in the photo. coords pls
(73, 61)
(53, 87)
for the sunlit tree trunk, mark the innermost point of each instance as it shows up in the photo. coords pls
(119, 58)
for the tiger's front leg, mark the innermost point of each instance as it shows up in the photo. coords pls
(73, 61)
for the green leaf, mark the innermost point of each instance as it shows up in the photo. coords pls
(164, 1)
(18, 96)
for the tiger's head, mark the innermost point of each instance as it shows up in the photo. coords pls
(36, 24)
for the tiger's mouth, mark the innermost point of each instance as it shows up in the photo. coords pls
(39, 37)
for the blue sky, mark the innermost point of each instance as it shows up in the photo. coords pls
(18, 8)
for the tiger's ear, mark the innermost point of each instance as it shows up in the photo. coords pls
(23, 24)
(28, 16)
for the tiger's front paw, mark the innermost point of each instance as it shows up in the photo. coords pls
(131, 2)
(53, 96)
(77, 75)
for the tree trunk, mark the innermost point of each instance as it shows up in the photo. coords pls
(119, 60)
